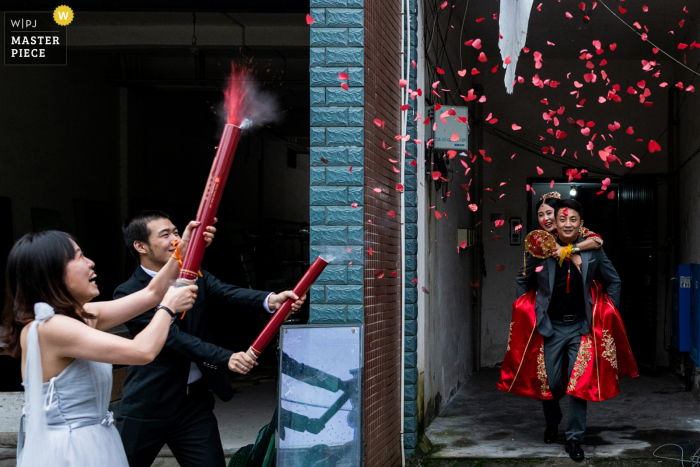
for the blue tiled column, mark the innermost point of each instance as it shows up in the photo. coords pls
(410, 252)
(337, 159)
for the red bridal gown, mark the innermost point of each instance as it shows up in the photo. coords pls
(603, 358)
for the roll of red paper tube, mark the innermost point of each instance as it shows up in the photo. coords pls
(285, 310)
(210, 203)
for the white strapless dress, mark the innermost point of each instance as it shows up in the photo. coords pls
(66, 421)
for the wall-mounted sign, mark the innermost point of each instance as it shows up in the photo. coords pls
(454, 133)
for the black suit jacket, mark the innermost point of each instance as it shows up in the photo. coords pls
(594, 265)
(155, 391)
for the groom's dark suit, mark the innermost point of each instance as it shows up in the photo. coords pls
(564, 337)
(158, 406)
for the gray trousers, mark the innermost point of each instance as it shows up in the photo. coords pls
(565, 340)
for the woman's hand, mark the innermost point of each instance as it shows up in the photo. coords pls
(277, 300)
(180, 299)
(187, 234)
(556, 254)
(209, 234)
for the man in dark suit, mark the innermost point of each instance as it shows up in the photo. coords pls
(564, 314)
(168, 400)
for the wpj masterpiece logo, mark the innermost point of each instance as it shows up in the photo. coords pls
(37, 38)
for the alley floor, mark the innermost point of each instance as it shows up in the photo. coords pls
(650, 411)
(241, 418)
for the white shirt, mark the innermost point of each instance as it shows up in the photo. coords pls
(195, 373)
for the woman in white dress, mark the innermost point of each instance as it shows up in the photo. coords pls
(67, 356)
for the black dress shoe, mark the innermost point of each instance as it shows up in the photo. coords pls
(573, 447)
(551, 433)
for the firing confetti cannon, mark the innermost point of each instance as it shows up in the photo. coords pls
(236, 105)
(274, 325)
(210, 202)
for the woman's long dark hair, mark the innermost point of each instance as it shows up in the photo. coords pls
(551, 202)
(35, 273)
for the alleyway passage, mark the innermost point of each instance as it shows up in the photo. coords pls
(482, 422)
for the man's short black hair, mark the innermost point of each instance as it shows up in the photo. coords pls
(571, 204)
(135, 229)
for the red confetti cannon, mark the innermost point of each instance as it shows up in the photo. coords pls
(236, 106)
(285, 310)
(210, 202)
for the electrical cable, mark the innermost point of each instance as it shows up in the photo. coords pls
(678, 112)
(647, 40)
(533, 148)
(461, 36)
(694, 459)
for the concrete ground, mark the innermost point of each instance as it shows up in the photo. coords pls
(240, 419)
(483, 423)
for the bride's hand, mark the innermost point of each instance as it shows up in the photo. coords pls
(180, 299)
(556, 254)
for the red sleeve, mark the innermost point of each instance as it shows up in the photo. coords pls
(586, 233)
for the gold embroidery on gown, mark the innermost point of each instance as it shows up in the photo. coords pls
(582, 360)
(542, 371)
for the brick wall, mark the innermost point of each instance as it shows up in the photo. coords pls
(410, 425)
(348, 218)
(382, 299)
(337, 159)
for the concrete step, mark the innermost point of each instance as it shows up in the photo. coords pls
(548, 462)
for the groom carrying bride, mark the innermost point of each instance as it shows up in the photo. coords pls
(562, 312)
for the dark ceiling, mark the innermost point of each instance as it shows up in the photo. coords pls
(277, 6)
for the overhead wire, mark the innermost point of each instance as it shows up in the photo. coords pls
(656, 46)
(537, 150)
(440, 53)
(676, 116)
